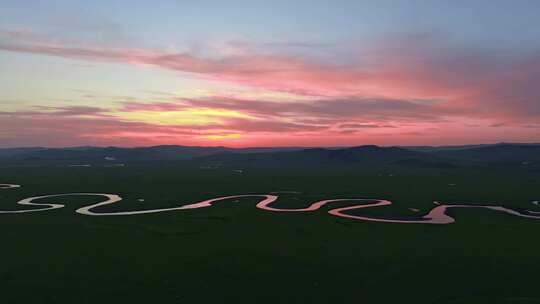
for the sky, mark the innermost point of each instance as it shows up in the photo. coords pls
(268, 73)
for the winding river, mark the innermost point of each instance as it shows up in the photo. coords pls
(437, 215)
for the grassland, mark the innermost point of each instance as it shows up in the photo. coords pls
(235, 253)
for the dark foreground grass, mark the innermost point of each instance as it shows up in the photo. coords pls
(236, 253)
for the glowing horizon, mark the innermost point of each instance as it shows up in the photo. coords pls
(245, 74)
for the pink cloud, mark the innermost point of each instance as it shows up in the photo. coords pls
(410, 68)
(426, 89)
(305, 124)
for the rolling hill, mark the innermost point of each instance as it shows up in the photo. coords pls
(430, 156)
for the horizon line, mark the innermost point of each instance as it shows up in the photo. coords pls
(268, 147)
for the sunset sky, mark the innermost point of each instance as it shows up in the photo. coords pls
(268, 73)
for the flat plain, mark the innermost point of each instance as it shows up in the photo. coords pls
(234, 252)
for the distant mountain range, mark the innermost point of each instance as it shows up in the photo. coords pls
(372, 154)
(154, 153)
(509, 153)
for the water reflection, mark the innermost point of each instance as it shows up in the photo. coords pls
(437, 215)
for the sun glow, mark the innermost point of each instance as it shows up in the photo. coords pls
(222, 136)
(193, 116)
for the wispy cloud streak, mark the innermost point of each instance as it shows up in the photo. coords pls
(417, 85)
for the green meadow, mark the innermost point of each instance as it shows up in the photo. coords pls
(235, 253)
